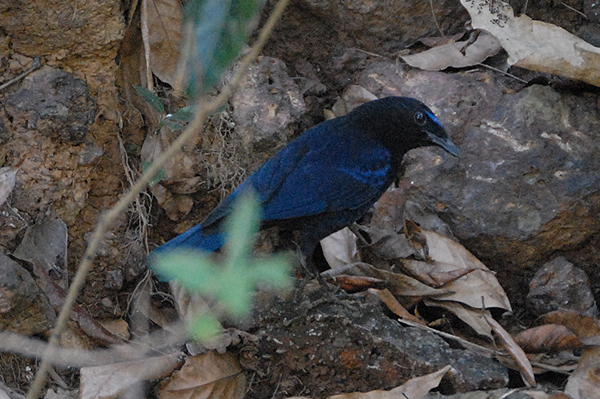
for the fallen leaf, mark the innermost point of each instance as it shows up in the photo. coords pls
(392, 303)
(450, 256)
(162, 38)
(430, 273)
(536, 45)
(474, 318)
(547, 338)
(207, 376)
(450, 55)
(353, 284)
(440, 40)
(340, 248)
(584, 382)
(514, 350)
(582, 326)
(414, 388)
(399, 284)
(57, 297)
(105, 382)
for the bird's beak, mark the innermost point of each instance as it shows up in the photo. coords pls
(445, 143)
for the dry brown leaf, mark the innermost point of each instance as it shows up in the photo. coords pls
(542, 395)
(398, 284)
(450, 55)
(536, 45)
(356, 283)
(450, 256)
(208, 376)
(584, 383)
(514, 350)
(340, 248)
(387, 243)
(105, 382)
(547, 338)
(472, 317)
(57, 296)
(440, 40)
(582, 326)
(396, 307)
(414, 388)
(430, 273)
(162, 38)
(178, 176)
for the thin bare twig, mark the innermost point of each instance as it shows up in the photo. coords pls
(159, 342)
(203, 108)
(35, 65)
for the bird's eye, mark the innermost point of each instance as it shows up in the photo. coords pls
(420, 118)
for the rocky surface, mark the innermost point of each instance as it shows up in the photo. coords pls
(23, 307)
(558, 285)
(317, 343)
(526, 183)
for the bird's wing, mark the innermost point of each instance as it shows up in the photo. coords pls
(340, 176)
(329, 168)
(265, 181)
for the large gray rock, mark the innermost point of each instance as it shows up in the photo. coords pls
(527, 182)
(384, 25)
(23, 308)
(53, 102)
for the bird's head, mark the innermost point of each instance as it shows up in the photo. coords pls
(403, 123)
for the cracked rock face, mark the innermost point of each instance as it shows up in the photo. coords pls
(527, 183)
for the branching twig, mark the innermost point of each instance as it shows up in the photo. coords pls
(159, 342)
(203, 108)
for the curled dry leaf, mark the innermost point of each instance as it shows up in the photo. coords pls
(582, 326)
(451, 54)
(357, 283)
(547, 338)
(398, 284)
(390, 301)
(514, 350)
(474, 318)
(536, 45)
(478, 282)
(340, 248)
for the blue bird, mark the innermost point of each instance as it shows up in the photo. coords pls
(329, 176)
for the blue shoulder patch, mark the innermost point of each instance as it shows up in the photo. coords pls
(369, 176)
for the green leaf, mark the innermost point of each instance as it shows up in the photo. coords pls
(241, 225)
(174, 126)
(185, 114)
(220, 28)
(233, 281)
(205, 327)
(191, 267)
(157, 177)
(150, 98)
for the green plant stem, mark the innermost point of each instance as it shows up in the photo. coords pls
(203, 108)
